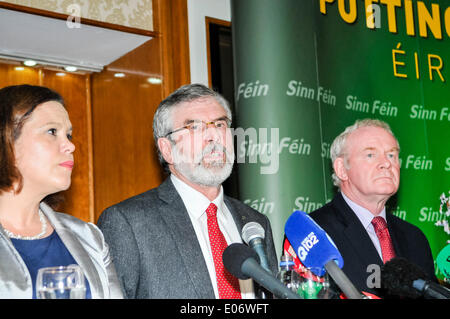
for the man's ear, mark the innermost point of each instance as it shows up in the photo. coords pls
(165, 147)
(339, 168)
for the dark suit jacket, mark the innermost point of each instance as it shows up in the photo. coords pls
(154, 247)
(357, 249)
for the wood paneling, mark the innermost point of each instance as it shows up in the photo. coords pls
(10, 76)
(125, 159)
(115, 156)
(172, 24)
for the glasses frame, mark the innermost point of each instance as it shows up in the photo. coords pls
(188, 126)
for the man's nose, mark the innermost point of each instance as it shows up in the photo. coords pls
(212, 134)
(385, 162)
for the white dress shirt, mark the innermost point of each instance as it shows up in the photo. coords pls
(365, 216)
(196, 204)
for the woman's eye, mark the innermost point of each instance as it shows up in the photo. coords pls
(69, 137)
(52, 131)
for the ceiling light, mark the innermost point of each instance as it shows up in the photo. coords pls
(70, 68)
(153, 80)
(119, 75)
(29, 62)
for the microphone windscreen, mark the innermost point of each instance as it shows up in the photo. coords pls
(397, 276)
(252, 230)
(234, 256)
(311, 243)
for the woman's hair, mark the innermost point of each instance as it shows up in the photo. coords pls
(17, 103)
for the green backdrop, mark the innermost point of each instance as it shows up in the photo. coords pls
(302, 74)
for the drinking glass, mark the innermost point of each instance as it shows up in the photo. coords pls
(62, 282)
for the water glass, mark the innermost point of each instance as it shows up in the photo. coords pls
(62, 282)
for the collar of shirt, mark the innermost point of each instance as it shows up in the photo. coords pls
(196, 203)
(364, 215)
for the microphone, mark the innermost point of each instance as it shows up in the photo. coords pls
(253, 235)
(317, 251)
(403, 278)
(241, 261)
(443, 261)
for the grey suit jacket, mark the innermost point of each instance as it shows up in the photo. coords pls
(85, 243)
(155, 248)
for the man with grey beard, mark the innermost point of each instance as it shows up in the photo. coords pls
(168, 242)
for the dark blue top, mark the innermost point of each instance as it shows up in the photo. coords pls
(45, 252)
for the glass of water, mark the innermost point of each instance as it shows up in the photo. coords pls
(62, 282)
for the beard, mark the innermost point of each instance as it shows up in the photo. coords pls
(206, 173)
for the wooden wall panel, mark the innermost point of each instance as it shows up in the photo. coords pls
(115, 156)
(10, 76)
(125, 161)
(172, 23)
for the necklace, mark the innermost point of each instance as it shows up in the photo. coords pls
(38, 236)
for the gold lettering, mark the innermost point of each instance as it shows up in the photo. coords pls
(350, 16)
(437, 68)
(323, 5)
(370, 13)
(416, 59)
(395, 62)
(432, 21)
(447, 20)
(392, 21)
(409, 18)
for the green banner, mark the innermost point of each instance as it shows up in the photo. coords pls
(304, 70)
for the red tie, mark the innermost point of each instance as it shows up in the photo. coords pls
(227, 284)
(387, 249)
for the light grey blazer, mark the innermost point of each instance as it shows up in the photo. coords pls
(85, 243)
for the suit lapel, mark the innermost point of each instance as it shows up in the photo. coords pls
(77, 251)
(357, 236)
(240, 219)
(184, 237)
(397, 236)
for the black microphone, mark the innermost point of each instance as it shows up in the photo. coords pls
(242, 262)
(404, 279)
(253, 235)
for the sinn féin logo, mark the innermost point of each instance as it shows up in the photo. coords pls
(444, 210)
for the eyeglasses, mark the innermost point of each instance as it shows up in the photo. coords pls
(197, 126)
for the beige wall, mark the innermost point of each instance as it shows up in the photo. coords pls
(130, 13)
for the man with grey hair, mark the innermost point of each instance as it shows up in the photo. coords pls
(168, 242)
(366, 166)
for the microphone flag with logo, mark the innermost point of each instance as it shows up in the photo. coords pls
(311, 243)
